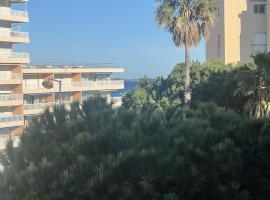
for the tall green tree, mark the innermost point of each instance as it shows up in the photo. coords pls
(254, 86)
(188, 21)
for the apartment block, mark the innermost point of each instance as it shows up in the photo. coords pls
(22, 94)
(242, 28)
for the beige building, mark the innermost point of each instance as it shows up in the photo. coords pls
(242, 28)
(22, 94)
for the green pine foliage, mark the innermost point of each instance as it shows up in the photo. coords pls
(166, 93)
(96, 152)
(243, 88)
(146, 149)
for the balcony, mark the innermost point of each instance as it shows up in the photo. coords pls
(14, 37)
(14, 58)
(10, 78)
(10, 100)
(38, 108)
(4, 139)
(7, 14)
(18, 1)
(91, 85)
(76, 86)
(116, 101)
(29, 88)
(11, 121)
(102, 85)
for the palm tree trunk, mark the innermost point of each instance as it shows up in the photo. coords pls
(187, 95)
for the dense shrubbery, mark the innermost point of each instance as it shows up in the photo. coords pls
(163, 93)
(244, 88)
(95, 152)
(146, 149)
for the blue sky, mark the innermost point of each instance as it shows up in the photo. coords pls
(91, 31)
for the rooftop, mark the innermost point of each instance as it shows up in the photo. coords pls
(71, 65)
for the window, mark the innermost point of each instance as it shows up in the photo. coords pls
(259, 42)
(218, 45)
(218, 42)
(259, 8)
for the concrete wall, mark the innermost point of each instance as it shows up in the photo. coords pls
(268, 25)
(251, 23)
(237, 24)
(215, 49)
(232, 19)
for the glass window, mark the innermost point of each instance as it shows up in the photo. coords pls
(218, 45)
(259, 8)
(259, 42)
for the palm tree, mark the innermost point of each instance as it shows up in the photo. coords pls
(253, 86)
(188, 21)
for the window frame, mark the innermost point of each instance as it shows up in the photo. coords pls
(258, 7)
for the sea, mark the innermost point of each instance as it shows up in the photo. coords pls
(130, 85)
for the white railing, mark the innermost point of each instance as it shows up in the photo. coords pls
(79, 84)
(22, 1)
(66, 103)
(98, 83)
(10, 76)
(4, 139)
(38, 106)
(14, 55)
(19, 13)
(117, 101)
(4, 11)
(30, 86)
(64, 85)
(10, 97)
(11, 119)
(16, 34)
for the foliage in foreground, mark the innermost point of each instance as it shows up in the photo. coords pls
(95, 152)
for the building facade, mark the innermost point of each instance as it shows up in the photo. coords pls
(242, 27)
(22, 94)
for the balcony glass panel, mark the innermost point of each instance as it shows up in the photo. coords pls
(11, 118)
(14, 55)
(10, 97)
(10, 76)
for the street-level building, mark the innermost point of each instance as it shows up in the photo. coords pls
(242, 28)
(22, 94)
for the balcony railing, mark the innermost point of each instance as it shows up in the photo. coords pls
(9, 12)
(98, 83)
(18, 1)
(38, 106)
(78, 84)
(16, 34)
(14, 55)
(10, 97)
(15, 118)
(10, 76)
(4, 139)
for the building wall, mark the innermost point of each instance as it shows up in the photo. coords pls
(232, 18)
(268, 25)
(215, 43)
(251, 24)
(237, 26)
